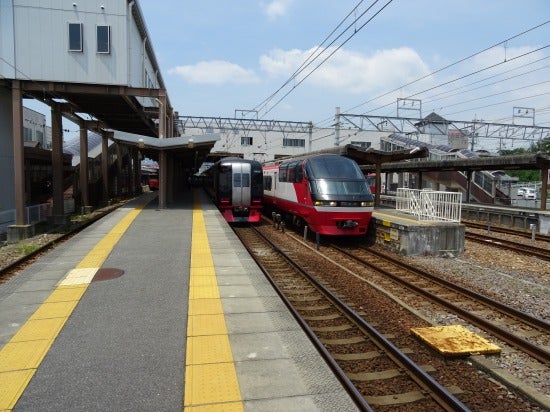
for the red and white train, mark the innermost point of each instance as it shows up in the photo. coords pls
(326, 192)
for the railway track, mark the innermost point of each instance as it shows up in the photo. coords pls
(10, 269)
(505, 230)
(502, 321)
(541, 253)
(360, 355)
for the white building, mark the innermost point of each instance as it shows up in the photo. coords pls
(264, 146)
(84, 56)
(100, 42)
(35, 129)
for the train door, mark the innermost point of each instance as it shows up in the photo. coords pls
(241, 184)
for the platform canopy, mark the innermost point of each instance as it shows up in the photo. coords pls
(509, 162)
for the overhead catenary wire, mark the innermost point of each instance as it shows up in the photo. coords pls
(264, 102)
(497, 104)
(449, 93)
(465, 59)
(500, 43)
(462, 77)
(330, 55)
(497, 94)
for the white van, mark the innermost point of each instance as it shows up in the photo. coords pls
(527, 193)
(530, 194)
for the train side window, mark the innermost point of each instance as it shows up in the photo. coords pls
(283, 169)
(290, 173)
(298, 172)
(224, 180)
(267, 182)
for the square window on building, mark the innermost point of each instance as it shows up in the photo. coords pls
(103, 39)
(246, 140)
(75, 37)
(27, 134)
(40, 137)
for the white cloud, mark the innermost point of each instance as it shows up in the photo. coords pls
(276, 8)
(348, 71)
(215, 72)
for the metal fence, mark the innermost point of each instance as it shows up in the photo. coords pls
(7, 218)
(37, 213)
(430, 205)
(33, 214)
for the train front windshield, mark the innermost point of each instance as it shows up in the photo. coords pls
(224, 181)
(336, 175)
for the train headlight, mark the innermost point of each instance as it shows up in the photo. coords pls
(367, 204)
(325, 203)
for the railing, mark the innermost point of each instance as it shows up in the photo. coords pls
(33, 214)
(7, 218)
(37, 213)
(430, 205)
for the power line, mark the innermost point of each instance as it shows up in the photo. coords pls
(496, 94)
(440, 70)
(485, 79)
(262, 104)
(463, 77)
(497, 104)
(330, 55)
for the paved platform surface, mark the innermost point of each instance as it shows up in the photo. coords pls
(185, 320)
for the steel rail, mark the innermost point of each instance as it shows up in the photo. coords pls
(533, 350)
(348, 385)
(508, 231)
(508, 244)
(439, 393)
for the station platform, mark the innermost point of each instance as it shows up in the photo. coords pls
(155, 310)
(514, 217)
(403, 234)
(522, 215)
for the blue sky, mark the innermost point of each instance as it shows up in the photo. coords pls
(218, 56)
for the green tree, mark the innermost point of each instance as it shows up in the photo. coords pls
(542, 146)
(527, 175)
(518, 151)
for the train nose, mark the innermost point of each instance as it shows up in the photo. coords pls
(347, 224)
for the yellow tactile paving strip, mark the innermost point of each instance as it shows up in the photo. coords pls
(210, 378)
(22, 355)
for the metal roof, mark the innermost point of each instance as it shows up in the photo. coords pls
(511, 162)
(111, 107)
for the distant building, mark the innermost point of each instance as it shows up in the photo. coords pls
(436, 127)
(264, 146)
(35, 129)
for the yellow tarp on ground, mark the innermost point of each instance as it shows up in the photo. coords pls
(455, 340)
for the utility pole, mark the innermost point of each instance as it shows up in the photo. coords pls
(337, 127)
